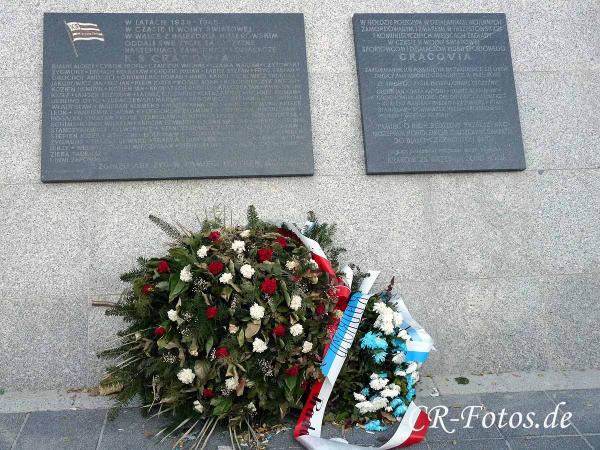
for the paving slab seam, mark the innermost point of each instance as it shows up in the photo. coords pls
(14, 444)
(102, 430)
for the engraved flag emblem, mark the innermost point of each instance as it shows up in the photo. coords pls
(83, 31)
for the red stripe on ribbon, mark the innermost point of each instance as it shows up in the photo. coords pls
(419, 430)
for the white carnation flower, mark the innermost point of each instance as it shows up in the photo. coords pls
(398, 358)
(374, 376)
(291, 265)
(257, 312)
(258, 345)
(403, 334)
(296, 330)
(198, 406)
(379, 403)
(245, 233)
(172, 314)
(398, 319)
(389, 392)
(186, 274)
(412, 367)
(307, 347)
(296, 302)
(364, 407)
(238, 246)
(186, 376)
(359, 397)
(225, 278)
(399, 373)
(202, 251)
(194, 352)
(231, 384)
(247, 271)
(233, 328)
(378, 383)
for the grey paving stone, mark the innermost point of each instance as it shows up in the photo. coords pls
(523, 403)
(62, 430)
(548, 443)
(585, 406)
(10, 424)
(450, 414)
(131, 431)
(487, 444)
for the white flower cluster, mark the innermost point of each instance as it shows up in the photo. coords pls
(387, 318)
(257, 312)
(238, 246)
(307, 347)
(373, 405)
(296, 330)
(186, 376)
(186, 274)
(202, 251)
(172, 314)
(225, 278)
(258, 345)
(386, 390)
(247, 271)
(377, 382)
(231, 384)
(296, 302)
(245, 234)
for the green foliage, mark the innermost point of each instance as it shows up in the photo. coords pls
(169, 229)
(324, 234)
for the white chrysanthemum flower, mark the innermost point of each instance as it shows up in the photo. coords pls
(247, 271)
(296, 330)
(225, 278)
(364, 407)
(291, 265)
(398, 319)
(257, 312)
(389, 408)
(399, 373)
(172, 314)
(202, 251)
(412, 367)
(389, 392)
(359, 397)
(186, 376)
(374, 376)
(258, 345)
(233, 328)
(198, 406)
(398, 358)
(238, 246)
(403, 334)
(379, 383)
(385, 318)
(307, 347)
(231, 384)
(186, 274)
(387, 328)
(296, 302)
(416, 376)
(245, 233)
(379, 403)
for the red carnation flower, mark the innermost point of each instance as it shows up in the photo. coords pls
(269, 286)
(216, 267)
(279, 330)
(208, 393)
(320, 309)
(211, 312)
(214, 236)
(160, 331)
(222, 352)
(163, 266)
(282, 241)
(264, 254)
(292, 371)
(147, 288)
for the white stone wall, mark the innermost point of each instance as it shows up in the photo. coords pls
(502, 268)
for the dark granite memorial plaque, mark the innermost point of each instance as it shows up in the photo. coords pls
(142, 96)
(437, 93)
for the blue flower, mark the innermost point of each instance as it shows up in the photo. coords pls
(395, 402)
(379, 357)
(410, 380)
(373, 341)
(399, 344)
(365, 392)
(375, 425)
(382, 374)
(410, 394)
(399, 410)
